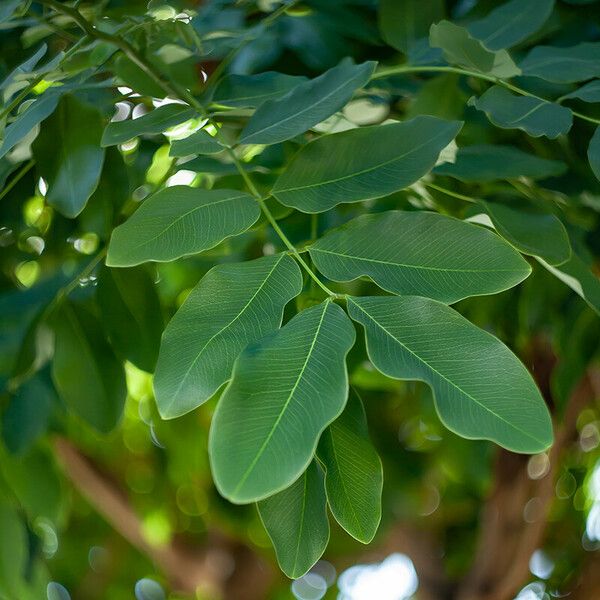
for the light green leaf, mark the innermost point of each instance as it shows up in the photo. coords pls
(232, 306)
(403, 23)
(529, 229)
(590, 92)
(33, 114)
(511, 23)
(284, 392)
(155, 122)
(251, 91)
(199, 142)
(353, 472)
(420, 253)
(68, 155)
(460, 48)
(563, 65)
(131, 314)
(363, 163)
(86, 373)
(14, 550)
(179, 221)
(296, 521)
(594, 153)
(481, 389)
(534, 116)
(306, 105)
(486, 162)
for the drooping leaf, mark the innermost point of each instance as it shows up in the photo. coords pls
(284, 392)
(154, 122)
(420, 253)
(199, 142)
(131, 314)
(353, 472)
(563, 65)
(481, 389)
(82, 355)
(590, 92)
(296, 521)
(530, 229)
(232, 306)
(251, 91)
(511, 23)
(460, 48)
(403, 23)
(487, 162)
(30, 116)
(534, 116)
(306, 105)
(69, 156)
(593, 153)
(178, 221)
(363, 163)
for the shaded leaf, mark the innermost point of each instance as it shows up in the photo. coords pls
(481, 389)
(593, 153)
(296, 521)
(82, 355)
(363, 163)
(232, 306)
(353, 472)
(178, 221)
(420, 253)
(135, 78)
(200, 142)
(590, 92)
(285, 390)
(563, 65)
(306, 105)
(534, 116)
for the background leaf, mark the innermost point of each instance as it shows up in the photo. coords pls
(200, 142)
(594, 153)
(563, 65)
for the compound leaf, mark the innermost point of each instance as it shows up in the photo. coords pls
(563, 65)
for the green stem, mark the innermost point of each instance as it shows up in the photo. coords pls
(448, 192)
(22, 172)
(403, 69)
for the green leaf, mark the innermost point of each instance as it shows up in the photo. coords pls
(30, 116)
(481, 389)
(363, 163)
(68, 155)
(529, 229)
(403, 23)
(199, 142)
(486, 162)
(137, 79)
(353, 472)
(179, 221)
(250, 91)
(563, 65)
(306, 105)
(594, 153)
(155, 122)
(511, 23)
(284, 392)
(232, 306)
(296, 521)
(14, 551)
(590, 92)
(86, 373)
(131, 314)
(18, 77)
(420, 253)
(7, 9)
(460, 48)
(579, 277)
(535, 116)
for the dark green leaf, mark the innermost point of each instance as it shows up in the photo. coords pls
(87, 375)
(131, 314)
(534, 116)
(306, 105)
(485, 162)
(563, 65)
(134, 77)
(296, 521)
(364, 163)
(284, 392)
(69, 156)
(353, 472)
(232, 306)
(17, 78)
(199, 142)
(420, 253)
(594, 153)
(590, 92)
(179, 221)
(481, 389)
